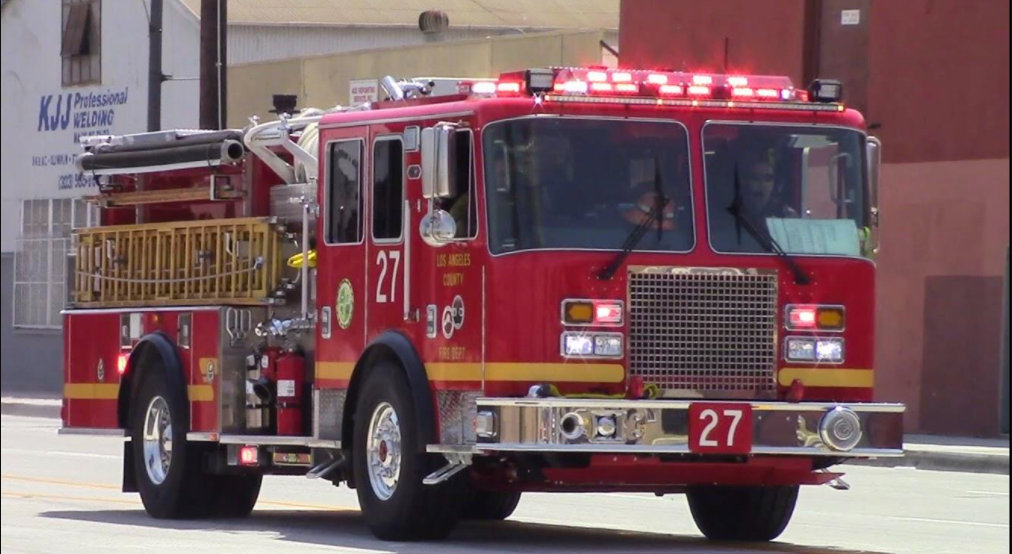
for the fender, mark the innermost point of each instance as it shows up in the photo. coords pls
(153, 346)
(393, 346)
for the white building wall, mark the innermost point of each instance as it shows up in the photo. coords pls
(248, 43)
(39, 132)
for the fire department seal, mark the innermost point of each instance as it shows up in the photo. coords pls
(345, 303)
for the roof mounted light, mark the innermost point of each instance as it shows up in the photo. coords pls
(540, 80)
(825, 90)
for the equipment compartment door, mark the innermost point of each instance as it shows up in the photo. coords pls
(342, 283)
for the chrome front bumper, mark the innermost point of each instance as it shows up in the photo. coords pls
(662, 427)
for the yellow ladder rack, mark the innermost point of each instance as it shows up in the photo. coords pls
(222, 261)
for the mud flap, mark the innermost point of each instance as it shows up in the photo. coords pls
(129, 479)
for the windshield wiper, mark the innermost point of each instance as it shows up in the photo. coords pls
(764, 239)
(636, 235)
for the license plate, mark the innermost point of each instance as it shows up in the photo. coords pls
(719, 428)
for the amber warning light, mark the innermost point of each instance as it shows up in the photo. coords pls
(592, 312)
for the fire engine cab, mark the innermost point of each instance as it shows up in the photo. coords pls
(563, 279)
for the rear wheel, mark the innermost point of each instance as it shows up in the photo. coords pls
(389, 464)
(168, 468)
(742, 513)
(236, 495)
(490, 506)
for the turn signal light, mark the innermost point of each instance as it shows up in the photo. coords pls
(812, 317)
(606, 313)
(575, 312)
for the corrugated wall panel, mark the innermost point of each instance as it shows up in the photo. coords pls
(264, 43)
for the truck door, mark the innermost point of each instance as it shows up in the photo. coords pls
(387, 255)
(341, 293)
(453, 299)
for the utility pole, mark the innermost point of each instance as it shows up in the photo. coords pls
(155, 76)
(213, 38)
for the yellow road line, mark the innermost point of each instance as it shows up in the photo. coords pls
(58, 482)
(104, 486)
(32, 495)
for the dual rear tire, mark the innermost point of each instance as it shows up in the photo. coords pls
(169, 469)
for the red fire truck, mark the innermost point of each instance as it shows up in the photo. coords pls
(564, 279)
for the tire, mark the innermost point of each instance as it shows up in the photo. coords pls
(396, 505)
(235, 495)
(173, 485)
(742, 513)
(490, 506)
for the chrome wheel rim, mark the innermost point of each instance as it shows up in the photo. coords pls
(383, 451)
(157, 440)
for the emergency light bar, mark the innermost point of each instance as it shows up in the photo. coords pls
(638, 85)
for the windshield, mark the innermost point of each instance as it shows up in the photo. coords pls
(586, 184)
(803, 186)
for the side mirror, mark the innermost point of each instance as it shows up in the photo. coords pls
(439, 161)
(874, 154)
(437, 228)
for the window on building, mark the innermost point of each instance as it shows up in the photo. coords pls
(344, 192)
(40, 263)
(81, 46)
(387, 189)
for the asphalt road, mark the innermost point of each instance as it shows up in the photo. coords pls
(60, 493)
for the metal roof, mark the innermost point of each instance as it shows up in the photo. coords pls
(492, 14)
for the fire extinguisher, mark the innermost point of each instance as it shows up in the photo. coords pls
(291, 375)
(261, 377)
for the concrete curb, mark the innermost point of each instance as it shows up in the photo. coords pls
(31, 407)
(971, 462)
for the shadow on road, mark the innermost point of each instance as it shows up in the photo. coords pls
(346, 529)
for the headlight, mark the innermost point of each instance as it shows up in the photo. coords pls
(608, 345)
(806, 349)
(577, 345)
(591, 345)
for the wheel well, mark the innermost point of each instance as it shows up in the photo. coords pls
(395, 348)
(154, 352)
(376, 354)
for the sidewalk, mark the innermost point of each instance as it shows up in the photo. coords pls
(950, 454)
(922, 451)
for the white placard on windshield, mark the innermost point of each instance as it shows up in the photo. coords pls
(816, 236)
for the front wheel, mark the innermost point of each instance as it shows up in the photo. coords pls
(389, 464)
(742, 513)
(490, 505)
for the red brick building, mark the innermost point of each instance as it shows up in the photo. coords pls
(932, 79)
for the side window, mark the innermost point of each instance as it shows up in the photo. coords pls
(344, 192)
(387, 189)
(462, 206)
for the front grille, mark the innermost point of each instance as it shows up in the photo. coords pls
(703, 329)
